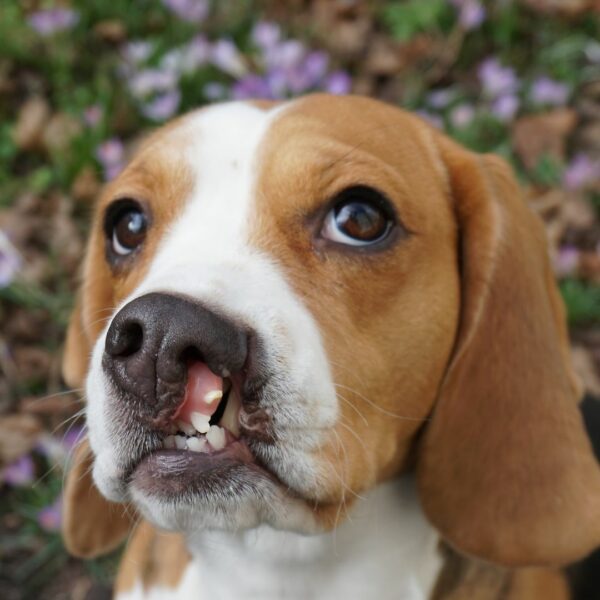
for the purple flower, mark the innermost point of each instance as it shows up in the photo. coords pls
(10, 261)
(441, 98)
(163, 106)
(278, 82)
(505, 107)
(496, 79)
(110, 155)
(431, 118)
(50, 517)
(19, 473)
(462, 116)
(52, 20)
(92, 115)
(226, 56)
(285, 55)
(192, 11)
(471, 14)
(549, 91)
(138, 52)
(566, 261)
(266, 35)
(149, 81)
(338, 82)
(251, 86)
(581, 172)
(315, 66)
(214, 90)
(72, 437)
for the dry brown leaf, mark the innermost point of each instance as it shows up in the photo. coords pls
(86, 185)
(569, 8)
(18, 435)
(584, 366)
(31, 121)
(535, 136)
(111, 30)
(54, 404)
(59, 132)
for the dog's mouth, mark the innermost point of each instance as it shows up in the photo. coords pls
(202, 447)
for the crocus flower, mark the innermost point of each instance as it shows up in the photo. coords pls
(440, 98)
(192, 11)
(149, 81)
(566, 261)
(266, 35)
(163, 106)
(471, 13)
(137, 52)
(505, 107)
(315, 66)
(50, 517)
(110, 155)
(226, 56)
(338, 82)
(19, 473)
(10, 260)
(92, 115)
(462, 115)
(548, 91)
(581, 172)
(251, 86)
(52, 20)
(496, 79)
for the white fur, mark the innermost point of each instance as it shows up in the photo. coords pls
(385, 550)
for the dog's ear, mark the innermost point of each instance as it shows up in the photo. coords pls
(91, 524)
(505, 469)
(76, 352)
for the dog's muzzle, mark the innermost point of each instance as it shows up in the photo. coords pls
(152, 341)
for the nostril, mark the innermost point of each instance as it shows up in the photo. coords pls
(125, 340)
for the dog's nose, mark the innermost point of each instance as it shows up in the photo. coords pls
(152, 339)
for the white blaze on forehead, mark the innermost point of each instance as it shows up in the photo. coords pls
(222, 144)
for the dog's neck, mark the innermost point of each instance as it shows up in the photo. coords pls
(384, 549)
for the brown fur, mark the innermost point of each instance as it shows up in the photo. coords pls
(449, 347)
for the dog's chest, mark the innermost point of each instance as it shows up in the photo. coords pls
(384, 550)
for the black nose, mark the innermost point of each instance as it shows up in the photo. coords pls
(152, 338)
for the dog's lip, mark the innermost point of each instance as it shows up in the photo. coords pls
(175, 473)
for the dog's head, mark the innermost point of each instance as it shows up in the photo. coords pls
(339, 293)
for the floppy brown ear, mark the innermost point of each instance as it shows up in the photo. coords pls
(76, 352)
(505, 469)
(91, 524)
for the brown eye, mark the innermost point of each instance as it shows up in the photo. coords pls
(126, 227)
(358, 219)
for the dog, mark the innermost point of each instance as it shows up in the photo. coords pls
(324, 357)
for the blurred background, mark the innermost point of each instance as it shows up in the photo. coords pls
(81, 81)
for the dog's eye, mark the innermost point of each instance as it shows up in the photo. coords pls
(126, 226)
(358, 218)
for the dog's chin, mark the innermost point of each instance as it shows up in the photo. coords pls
(187, 491)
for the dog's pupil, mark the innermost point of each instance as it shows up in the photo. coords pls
(361, 221)
(131, 229)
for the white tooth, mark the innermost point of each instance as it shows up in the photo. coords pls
(216, 437)
(196, 444)
(210, 397)
(230, 418)
(169, 442)
(187, 428)
(200, 422)
(180, 442)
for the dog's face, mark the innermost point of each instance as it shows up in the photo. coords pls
(299, 279)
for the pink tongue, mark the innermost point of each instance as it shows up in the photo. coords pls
(201, 381)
